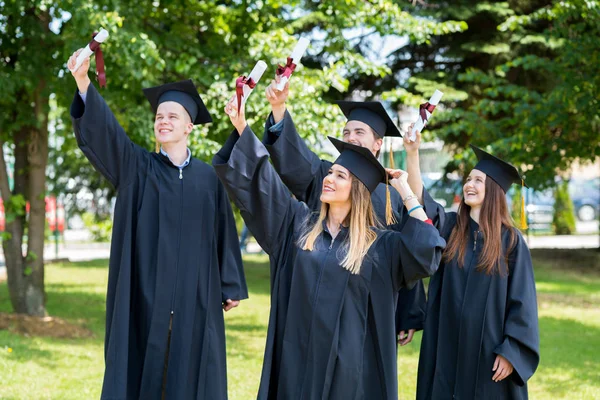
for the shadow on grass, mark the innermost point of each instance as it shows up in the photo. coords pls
(96, 263)
(25, 350)
(567, 345)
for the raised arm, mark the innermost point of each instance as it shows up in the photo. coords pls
(416, 247)
(98, 133)
(266, 205)
(299, 168)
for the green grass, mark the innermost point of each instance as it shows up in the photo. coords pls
(43, 368)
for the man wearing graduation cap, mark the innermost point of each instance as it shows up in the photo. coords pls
(481, 335)
(175, 262)
(302, 171)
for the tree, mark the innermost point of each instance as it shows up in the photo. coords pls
(563, 219)
(151, 43)
(523, 79)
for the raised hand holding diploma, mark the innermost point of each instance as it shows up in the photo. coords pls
(285, 71)
(245, 85)
(425, 111)
(85, 53)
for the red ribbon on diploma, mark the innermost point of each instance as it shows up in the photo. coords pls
(426, 107)
(239, 88)
(95, 47)
(287, 69)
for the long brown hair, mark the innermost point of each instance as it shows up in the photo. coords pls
(360, 220)
(493, 217)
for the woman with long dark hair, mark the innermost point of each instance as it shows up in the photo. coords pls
(334, 274)
(480, 339)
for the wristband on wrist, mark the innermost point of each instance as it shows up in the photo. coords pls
(414, 208)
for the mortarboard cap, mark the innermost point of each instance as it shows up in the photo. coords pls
(184, 93)
(360, 162)
(503, 173)
(371, 113)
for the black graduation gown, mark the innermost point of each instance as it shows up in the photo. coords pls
(174, 248)
(303, 172)
(472, 317)
(331, 334)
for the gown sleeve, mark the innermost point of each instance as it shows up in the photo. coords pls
(414, 251)
(233, 280)
(521, 335)
(103, 140)
(299, 168)
(265, 203)
(434, 211)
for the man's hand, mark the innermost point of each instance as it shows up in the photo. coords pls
(405, 338)
(81, 75)
(237, 119)
(277, 98)
(229, 304)
(503, 368)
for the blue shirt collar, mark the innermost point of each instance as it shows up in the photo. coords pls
(185, 163)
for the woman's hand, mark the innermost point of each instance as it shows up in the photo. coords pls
(277, 98)
(238, 119)
(503, 368)
(399, 179)
(412, 147)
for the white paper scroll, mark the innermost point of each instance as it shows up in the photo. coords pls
(257, 73)
(296, 56)
(420, 124)
(86, 52)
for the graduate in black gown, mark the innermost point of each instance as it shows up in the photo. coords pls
(334, 276)
(302, 171)
(480, 339)
(175, 261)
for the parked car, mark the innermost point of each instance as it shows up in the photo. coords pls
(585, 195)
(446, 190)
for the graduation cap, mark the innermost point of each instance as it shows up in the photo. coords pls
(371, 113)
(184, 93)
(365, 167)
(501, 172)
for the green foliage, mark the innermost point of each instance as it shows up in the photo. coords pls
(527, 74)
(515, 205)
(563, 221)
(100, 230)
(213, 42)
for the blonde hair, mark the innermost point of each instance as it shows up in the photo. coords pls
(360, 220)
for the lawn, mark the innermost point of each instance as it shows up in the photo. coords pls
(44, 368)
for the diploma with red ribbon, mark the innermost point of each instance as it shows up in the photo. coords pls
(285, 71)
(244, 85)
(425, 111)
(94, 47)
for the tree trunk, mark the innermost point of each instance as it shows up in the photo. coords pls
(33, 290)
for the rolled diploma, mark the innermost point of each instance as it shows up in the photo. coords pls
(420, 124)
(257, 72)
(86, 52)
(296, 56)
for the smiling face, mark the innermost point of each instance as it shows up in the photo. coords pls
(336, 186)
(361, 134)
(172, 123)
(474, 189)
